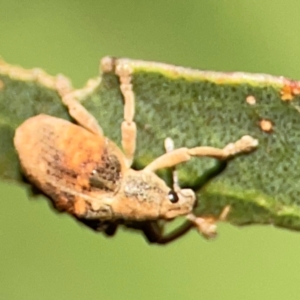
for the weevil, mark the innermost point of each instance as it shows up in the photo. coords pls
(86, 175)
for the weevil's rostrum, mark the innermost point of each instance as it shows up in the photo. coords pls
(88, 176)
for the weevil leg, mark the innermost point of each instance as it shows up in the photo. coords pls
(175, 157)
(111, 229)
(207, 226)
(128, 127)
(153, 232)
(81, 115)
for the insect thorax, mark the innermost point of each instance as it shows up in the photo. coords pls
(144, 186)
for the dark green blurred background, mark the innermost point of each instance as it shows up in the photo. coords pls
(48, 256)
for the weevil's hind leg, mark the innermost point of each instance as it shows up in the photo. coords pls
(173, 158)
(81, 115)
(128, 127)
(153, 232)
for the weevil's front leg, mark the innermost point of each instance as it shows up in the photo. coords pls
(207, 226)
(173, 158)
(128, 127)
(81, 115)
(152, 230)
(154, 234)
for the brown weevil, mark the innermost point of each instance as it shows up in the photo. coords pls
(88, 176)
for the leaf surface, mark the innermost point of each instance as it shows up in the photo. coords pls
(194, 108)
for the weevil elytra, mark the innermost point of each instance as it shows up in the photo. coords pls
(88, 176)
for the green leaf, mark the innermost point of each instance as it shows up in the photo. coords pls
(193, 108)
(23, 94)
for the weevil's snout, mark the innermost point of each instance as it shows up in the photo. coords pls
(180, 203)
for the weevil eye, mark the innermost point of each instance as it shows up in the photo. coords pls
(173, 197)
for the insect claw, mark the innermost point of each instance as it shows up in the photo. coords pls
(207, 226)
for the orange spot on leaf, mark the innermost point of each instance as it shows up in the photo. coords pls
(289, 90)
(266, 125)
(251, 100)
